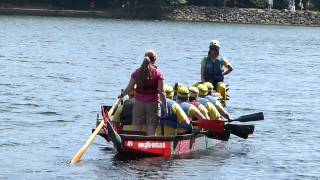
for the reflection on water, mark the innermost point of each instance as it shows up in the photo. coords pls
(56, 72)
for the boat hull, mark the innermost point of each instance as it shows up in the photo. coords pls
(137, 146)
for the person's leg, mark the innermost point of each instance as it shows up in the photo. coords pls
(138, 115)
(152, 117)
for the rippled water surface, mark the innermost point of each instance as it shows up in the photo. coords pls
(56, 72)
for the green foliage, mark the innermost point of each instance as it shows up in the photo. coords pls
(280, 4)
(315, 4)
(261, 3)
(176, 2)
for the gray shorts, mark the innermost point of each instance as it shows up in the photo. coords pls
(145, 113)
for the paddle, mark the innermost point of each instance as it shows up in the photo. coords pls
(85, 147)
(242, 131)
(213, 125)
(217, 126)
(236, 129)
(250, 117)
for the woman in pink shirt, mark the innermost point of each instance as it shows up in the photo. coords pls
(149, 94)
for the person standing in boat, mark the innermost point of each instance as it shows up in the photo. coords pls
(177, 122)
(214, 68)
(149, 94)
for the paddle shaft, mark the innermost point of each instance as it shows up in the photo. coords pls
(85, 147)
(250, 117)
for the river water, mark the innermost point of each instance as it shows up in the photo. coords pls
(56, 72)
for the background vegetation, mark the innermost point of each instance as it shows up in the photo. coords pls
(104, 4)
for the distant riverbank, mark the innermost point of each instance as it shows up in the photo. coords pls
(186, 13)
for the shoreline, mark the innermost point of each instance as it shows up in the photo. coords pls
(185, 13)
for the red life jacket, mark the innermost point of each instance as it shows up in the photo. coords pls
(195, 103)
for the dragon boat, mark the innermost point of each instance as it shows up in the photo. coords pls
(130, 144)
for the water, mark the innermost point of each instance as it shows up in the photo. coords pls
(56, 72)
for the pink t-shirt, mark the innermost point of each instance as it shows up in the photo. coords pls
(150, 94)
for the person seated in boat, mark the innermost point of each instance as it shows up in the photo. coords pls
(212, 110)
(193, 96)
(168, 91)
(183, 100)
(215, 101)
(175, 90)
(215, 67)
(177, 122)
(149, 94)
(211, 91)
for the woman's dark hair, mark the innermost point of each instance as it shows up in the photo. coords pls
(145, 72)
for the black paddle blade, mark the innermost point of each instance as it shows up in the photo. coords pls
(240, 134)
(251, 117)
(249, 129)
(219, 136)
(242, 131)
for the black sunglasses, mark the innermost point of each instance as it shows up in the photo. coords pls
(214, 48)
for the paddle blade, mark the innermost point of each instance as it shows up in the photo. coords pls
(239, 134)
(242, 131)
(85, 147)
(251, 117)
(213, 125)
(219, 136)
(249, 129)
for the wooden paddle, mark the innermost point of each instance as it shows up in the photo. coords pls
(85, 147)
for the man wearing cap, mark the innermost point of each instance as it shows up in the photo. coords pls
(214, 68)
(177, 122)
(193, 96)
(212, 110)
(189, 109)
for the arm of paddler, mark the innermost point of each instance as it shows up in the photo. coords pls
(223, 112)
(228, 66)
(182, 118)
(202, 70)
(204, 111)
(195, 112)
(213, 112)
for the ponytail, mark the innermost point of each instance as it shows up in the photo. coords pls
(145, 72)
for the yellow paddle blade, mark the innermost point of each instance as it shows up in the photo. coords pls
(85, 147)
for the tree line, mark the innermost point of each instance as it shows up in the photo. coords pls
(104, 4)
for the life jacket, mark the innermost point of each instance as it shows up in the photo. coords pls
(212, 99)
(171, 119)
(126, 113)
(195, 103)
(171, 115)
(185, 106)
(213, 71)
(203, 101)
(149, 88)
